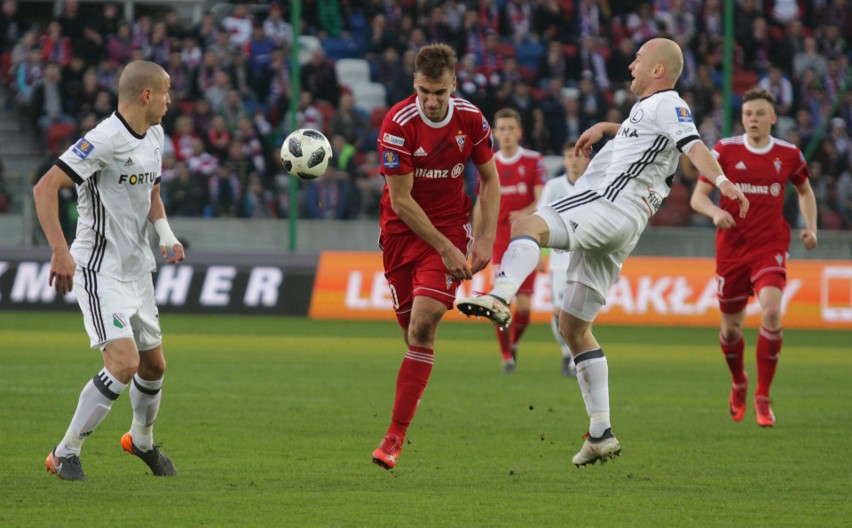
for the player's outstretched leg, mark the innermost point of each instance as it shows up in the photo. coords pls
(159, 463)
(603, 448)
(65, 467)
(488, 306)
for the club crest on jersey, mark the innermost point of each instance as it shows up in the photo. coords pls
(390, 159)
(683, 114)
(83, 148)
(484, 125)
(460, 141)
(777, 164)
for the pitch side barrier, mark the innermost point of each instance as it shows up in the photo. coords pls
(206, 283)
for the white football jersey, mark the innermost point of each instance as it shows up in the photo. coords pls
(645, 154)
(554, 189)
(115, 170)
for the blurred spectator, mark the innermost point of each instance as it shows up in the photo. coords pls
(781, 87)
(307, 115)
(380, 38)
(12, 26)
(319, 78)
(276, 28)
(201, 162)
(56, 47)
(238, 24)
(224, 189)
(396, 76)
(348, 122)
(48, 104)
(186, 195)
(120, 45)
(809, 58)
(183, 137)
(256, 200)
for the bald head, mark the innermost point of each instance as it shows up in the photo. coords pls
(137, 76)
(667, 53)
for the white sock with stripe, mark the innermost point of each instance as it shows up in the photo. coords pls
(94, 404)
(518, 262)
(145, 398)
(593, 377)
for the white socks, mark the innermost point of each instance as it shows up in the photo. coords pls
(145, 398)
(94, 404)
(593, 377)
(518, 262)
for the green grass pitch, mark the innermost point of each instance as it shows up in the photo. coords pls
(271, 422)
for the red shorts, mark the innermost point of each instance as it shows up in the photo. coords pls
(738, 280)
(526, 286)
(413, 267)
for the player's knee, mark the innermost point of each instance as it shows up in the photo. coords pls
(731, 333)
(771, 317)
(421, 333)
(531, 225)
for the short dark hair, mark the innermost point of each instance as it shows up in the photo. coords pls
(759, 93)
(435, 59)
(569, 145)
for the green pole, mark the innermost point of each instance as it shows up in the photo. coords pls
(819, 133)
(295, 90)
(728, 68)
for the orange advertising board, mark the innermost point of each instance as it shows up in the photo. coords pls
(650, 291)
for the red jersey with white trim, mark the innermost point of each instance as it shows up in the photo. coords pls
(436, 153)
(519, 176)
(762, 175)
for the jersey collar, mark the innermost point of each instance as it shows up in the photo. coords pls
(655, 93)
(761, 150)
(512, 159)
(428, 121)
(130, 130)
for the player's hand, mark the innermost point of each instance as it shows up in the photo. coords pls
(732, 192)
(62, 268)
(176, 251)
(723, 220)
(588, 138)
(456, 264)
(480, 256)
(809, 238)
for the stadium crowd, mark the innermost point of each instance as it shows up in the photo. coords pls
(563, 64)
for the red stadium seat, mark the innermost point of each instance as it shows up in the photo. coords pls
(57, 132)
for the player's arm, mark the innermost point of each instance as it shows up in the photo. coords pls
(706, 164)
(46, 197)
(489, 209)
(168, 241)
(808, 208)
(592, 135)
(529, 209)
(410, 212)
(702, 203)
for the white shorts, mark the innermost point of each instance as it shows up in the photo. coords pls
(114, 309)
(600, 237)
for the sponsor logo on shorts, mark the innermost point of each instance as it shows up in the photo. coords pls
(83, 148)
(450, 281)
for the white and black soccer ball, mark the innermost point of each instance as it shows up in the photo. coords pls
(306, 153)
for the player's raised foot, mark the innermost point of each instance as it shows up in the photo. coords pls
(600, 449)
(388, 452)
(737, 402)
(508, 366)
(569, 369)
(159, 463)
(488, 306)
(65, 467)
(763, 410)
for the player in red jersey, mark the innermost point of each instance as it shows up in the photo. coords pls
(522, 178)
(751, 252)
(424, 143)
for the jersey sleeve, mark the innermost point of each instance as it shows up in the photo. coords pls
(541, 176)
(394, 149)
(674, 120)
(716, 152)
(801, 174)
(483, 144)
(86, 157)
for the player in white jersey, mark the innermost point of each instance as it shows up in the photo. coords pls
(116, 168)
(555, 188)
(600, 226)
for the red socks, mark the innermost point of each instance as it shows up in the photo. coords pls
(768, 348)
(519, 324)
(504, 338)
(410, 383)
(733, 351)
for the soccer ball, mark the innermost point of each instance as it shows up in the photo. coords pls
(306, 153)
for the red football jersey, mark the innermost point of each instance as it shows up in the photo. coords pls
(436, 153)
(762, 175)
(519, 175)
